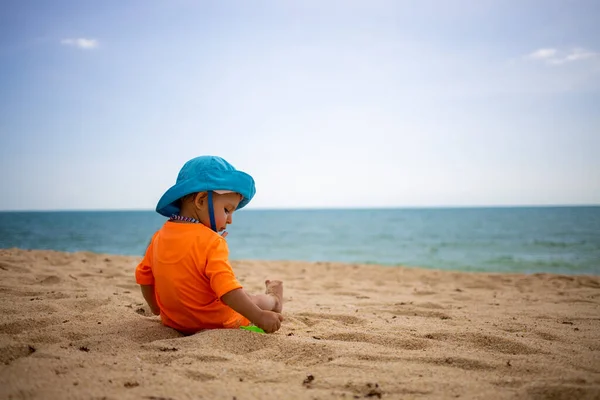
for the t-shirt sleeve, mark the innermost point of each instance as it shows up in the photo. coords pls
(219, 271)
(143, 272)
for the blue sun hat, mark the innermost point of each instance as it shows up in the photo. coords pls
(206, 174)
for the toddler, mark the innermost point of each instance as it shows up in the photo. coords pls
(185, 275)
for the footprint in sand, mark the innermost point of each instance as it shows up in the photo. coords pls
(498, 344)
(161, 358)
(352, 294)
(513, 327)
(208, 358)
(86, 305)
(548, 336)
(331, 285)
(7, 266)
(297, 353)
(17, 292)
(458, 362)
(438, 336)
(9, 354)
(509, 383)
(562, 391)
(28, 324)
(431, 306)
(387, 341)
(311, 319)
(379, 358)
(28, 294)
(199, 376)
(415, 311)
(372, 390)
(423, 292)
(165, 355)
(57, 295)
(50, 280)
(75, 336)
(44, 338)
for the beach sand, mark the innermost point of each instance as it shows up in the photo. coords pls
(75, 326)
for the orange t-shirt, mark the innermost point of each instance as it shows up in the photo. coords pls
(188, 264)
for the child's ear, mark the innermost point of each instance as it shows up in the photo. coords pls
(200, 199)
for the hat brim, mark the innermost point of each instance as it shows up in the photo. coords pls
(234, 181)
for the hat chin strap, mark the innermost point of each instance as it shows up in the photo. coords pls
(211, 211)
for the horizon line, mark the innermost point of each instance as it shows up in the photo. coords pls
(322, 208)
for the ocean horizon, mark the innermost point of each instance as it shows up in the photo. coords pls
(526, 239)
(252, 208)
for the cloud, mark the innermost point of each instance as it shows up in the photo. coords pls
(543, 53)
(81, 43)
(579, 54)
(554, 57)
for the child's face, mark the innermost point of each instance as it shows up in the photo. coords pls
(224, 205)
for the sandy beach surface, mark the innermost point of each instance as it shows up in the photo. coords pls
(74, 326)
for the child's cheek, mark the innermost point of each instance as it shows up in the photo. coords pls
(221, 220)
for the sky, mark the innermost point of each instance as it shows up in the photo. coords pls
(325, 103)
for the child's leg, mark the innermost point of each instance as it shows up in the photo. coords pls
(272, 300)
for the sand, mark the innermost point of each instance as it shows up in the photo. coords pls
(74, 326)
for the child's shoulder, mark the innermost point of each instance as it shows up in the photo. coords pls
(216, 242)
(202, 236)
(215, 246)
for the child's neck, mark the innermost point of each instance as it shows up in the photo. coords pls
(189, 213)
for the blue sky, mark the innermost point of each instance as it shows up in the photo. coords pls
(325, 103)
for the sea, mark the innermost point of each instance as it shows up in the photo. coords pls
(564, 240)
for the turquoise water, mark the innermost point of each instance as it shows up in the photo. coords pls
(537, 239)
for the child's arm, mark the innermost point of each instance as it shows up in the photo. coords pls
(239, 301)
(150, 297)
(145, 278)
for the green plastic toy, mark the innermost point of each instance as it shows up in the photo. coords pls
(252, 328)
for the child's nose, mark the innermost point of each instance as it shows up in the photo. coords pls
(229, 219)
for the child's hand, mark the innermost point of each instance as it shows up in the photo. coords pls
(240, 302)
(269, 321)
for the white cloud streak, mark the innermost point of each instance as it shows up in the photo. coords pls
(80, 43)
(543, 53)
(552, 56)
